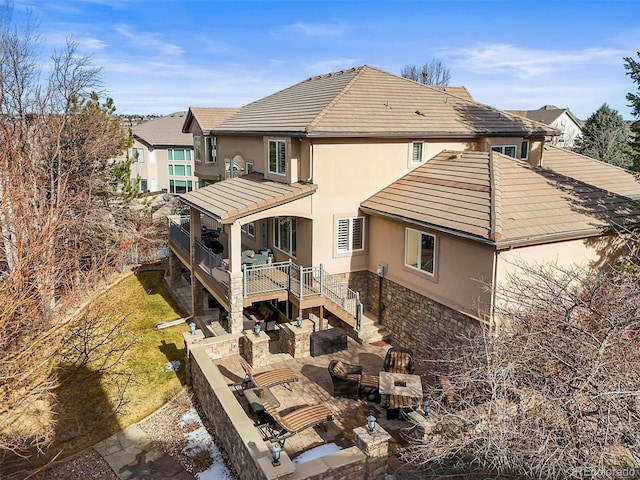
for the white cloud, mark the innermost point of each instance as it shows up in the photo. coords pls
(318, 29)
(149, 40)
(525, 62)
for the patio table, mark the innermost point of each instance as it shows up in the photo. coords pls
(256, 402)
(405, 390)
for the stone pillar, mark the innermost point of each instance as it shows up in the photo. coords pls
(376, 447)
(236, 289)
(197, 297)
(256, 348)
(175, 270)
(190, 341)
(296, 341)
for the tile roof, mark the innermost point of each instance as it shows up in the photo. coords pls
(163, 131)
(365, 101)
(207, 118)
(241, 196)
(502, 201)
(546, 114)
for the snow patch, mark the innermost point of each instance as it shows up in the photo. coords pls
(317, 452)
(171, 366)
(198, 441)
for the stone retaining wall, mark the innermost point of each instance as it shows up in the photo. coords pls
(244, 448)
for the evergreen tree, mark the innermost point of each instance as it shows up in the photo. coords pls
(605, 137)
(633, 70)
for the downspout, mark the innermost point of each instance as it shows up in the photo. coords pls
(494, 289)
(310, 179)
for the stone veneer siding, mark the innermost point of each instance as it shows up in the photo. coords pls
(414, 320)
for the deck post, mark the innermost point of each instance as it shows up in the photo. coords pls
(301, 274)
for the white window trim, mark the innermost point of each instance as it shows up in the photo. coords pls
(277, 172)
(248, 167)
(419, 245)
(503, 147)
(140, 151)
(411, 147)
(525, 157)
(210, 143)
(249, 229)
(275, 228)
(197, 148)
(350, 234)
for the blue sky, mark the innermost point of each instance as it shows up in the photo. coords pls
(161, 56)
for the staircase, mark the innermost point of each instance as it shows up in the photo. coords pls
(370, 331)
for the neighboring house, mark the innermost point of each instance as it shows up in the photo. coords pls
(409, 194)
(162, 156)
(559, 118)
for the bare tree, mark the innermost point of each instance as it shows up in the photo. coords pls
(434, 73)
(556, 394)
(61, 223)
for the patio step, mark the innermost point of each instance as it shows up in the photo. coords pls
(371, 331)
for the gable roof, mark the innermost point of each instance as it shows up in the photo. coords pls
(365, 101)
(207, 118)
(502, 201)
(547, 114)
(163, 131)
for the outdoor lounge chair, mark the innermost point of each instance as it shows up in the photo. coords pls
(269, 378)
(399, 360)
(349, 382)
(300, 419)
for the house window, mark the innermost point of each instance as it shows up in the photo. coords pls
(277, 157)
(249, 229)
(509, 150)
(417, 149)
(137, 154)
(141, 184)
(210, 150)
(180, 170)
(284, 233)
(179, 154)
(249, 167)
(197, 148)
(180, 186)
(419, 250)
(350, 234)
(524, 150)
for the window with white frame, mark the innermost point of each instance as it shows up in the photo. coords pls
(179, 170)
(179, 154)
(277, 157)
(249, 229)
(210, 148)
(524, 150)
(197, 148)
(284, 234)
(248, 167)
(137, 154)
(180, 186)
(417, 152)
(140, 184)
(419, 250)
(350, 234)
(509, 150)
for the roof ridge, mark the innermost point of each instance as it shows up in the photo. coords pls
(326, 108)
(495, 203)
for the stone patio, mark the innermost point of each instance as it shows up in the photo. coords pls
(314, 386)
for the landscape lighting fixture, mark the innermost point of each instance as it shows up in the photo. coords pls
(275, 455)
(192, 328)
(299, 322)
(371, 423)
(256, 329)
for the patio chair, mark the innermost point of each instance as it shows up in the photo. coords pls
(270, 378)
(399, 360)
(349, 382)
(300, 419)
